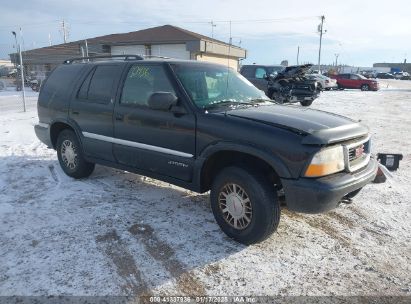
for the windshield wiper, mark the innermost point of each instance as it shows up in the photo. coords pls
(227, 102)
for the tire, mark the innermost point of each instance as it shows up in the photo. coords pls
(306, 103)
(70, 155)
(340, 87)
(365, 87)
(353, 194)
(261, 213)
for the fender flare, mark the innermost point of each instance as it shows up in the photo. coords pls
(274, 161)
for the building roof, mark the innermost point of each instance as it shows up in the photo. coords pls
(160, 34)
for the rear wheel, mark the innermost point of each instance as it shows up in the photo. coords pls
(245, 205)
(340, 87)
(70, 155)
(365, 87)
(306, 103)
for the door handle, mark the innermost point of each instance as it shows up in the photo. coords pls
(75, 112)
(119, 117)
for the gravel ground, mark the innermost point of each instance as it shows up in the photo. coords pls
(118, 233)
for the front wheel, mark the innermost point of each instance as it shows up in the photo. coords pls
(70, 155)
(365, 87)
(245, 205)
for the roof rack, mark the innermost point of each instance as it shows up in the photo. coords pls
(126, 57)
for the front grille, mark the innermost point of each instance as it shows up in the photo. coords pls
(357, 154)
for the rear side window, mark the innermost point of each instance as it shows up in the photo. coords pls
(98, 85)
(248, 71)
(58, 85)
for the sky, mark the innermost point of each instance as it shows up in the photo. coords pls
(360, 32)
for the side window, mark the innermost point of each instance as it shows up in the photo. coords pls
(354, 77)
(247, 72)
(98, 85)
(260, 73)
(142, 81)
(82, 93)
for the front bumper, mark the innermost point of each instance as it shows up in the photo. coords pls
(43, 134)
(318, 195)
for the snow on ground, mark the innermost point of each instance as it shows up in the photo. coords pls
(118, 233)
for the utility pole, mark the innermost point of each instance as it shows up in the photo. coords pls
(86, 47)
(213, 25)
(336, 59)
(63, 25)
(21, 69)
(321, 30)
(298, 55)
(50, 43)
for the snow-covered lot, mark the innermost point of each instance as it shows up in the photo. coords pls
(118, 233)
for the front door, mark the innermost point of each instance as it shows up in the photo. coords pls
(153, 140)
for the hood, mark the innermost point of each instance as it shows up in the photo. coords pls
(295, 70)
(317, 127)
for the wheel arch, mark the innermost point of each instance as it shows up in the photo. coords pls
(223, 155)
(56, 127)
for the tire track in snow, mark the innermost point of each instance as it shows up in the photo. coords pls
(187, 283)
(124, 263)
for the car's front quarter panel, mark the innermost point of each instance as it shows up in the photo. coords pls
(281, 147)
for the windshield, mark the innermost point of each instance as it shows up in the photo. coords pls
(212, 85)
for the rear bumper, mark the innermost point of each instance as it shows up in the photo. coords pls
(318, 195)
(43, 134)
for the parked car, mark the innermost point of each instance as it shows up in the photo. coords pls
(286, 85)
(402, 75)
(257, 74)
(355, 81)
(204, 127)
(324, 82)
(385, 76)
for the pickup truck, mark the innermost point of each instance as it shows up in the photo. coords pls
(203, 127)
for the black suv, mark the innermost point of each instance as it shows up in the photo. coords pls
(203, 127)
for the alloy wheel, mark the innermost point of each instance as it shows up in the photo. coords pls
(235, 206)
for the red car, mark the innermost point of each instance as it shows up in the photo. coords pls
(355, 81)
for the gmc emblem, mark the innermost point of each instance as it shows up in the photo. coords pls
(359, 151)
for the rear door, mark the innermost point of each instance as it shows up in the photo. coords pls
(153, 140)
(92, 109)
(355, 81)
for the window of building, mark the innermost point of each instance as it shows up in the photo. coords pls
(142, 81)
(147, 49)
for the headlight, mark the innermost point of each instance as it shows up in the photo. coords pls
(325, 162)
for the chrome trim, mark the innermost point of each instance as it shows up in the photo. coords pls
(363, 162)
(43, 125)
(136, 144)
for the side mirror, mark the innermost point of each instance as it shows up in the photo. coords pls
(162, 101)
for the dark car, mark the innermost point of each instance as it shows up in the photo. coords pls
(257, 74)
(385, 76)
(204, 127)
(283, 84)
(355, 81)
